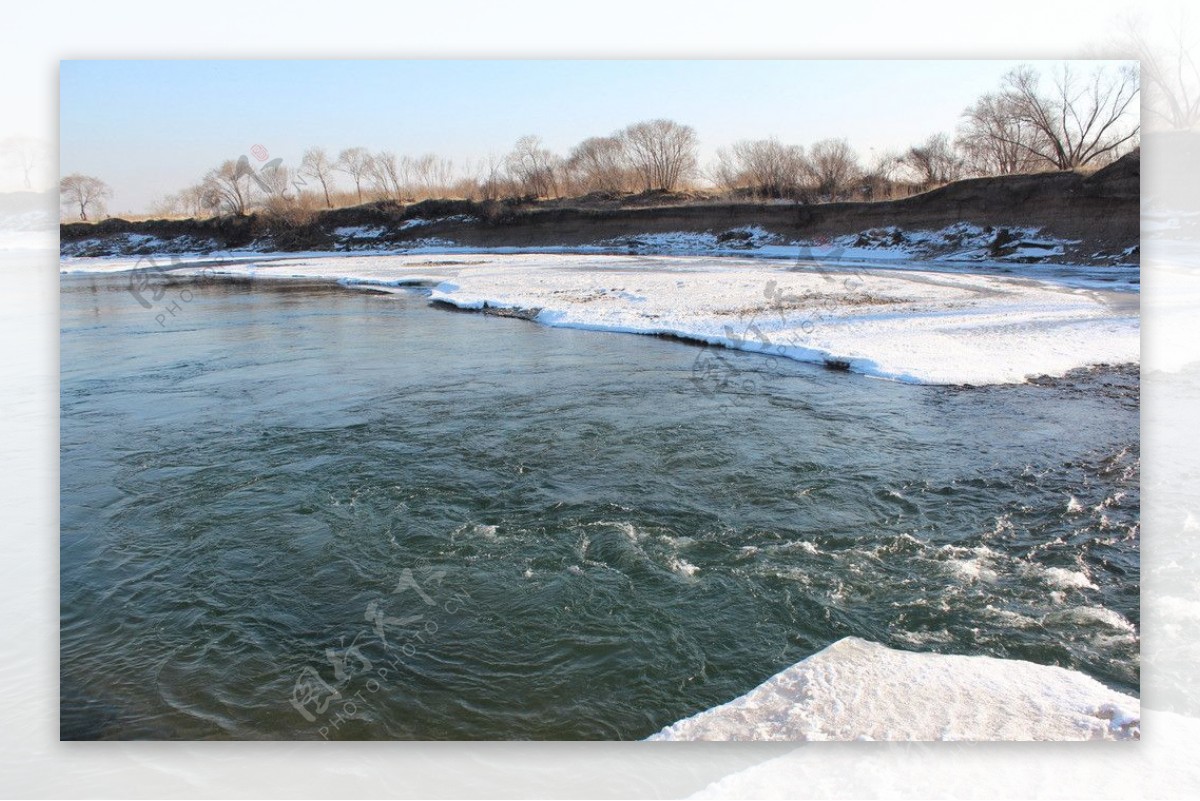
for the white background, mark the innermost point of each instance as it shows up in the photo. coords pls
(32, 761)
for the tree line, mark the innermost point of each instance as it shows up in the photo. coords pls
(1029, 124)
(655, 155)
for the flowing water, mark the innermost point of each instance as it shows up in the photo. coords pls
(297, 510)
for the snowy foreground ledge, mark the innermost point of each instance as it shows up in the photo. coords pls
(859, 690)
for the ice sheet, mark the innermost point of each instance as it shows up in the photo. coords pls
(859, 690)
(912, 325)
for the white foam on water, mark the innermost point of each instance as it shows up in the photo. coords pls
(970, 565)
(856, 689)
(923, 638)
(682, 566)
(1011, 618)
(1098, 616)
(474, 531)
(1064, 579)
(629, 530)
(971, 570)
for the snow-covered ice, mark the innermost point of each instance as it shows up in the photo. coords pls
(915, 326)
(859, 690)
(909, 325)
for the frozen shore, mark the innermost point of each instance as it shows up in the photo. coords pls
(919, 324)
(859, 690)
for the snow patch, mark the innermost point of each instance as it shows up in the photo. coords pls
(856, 690)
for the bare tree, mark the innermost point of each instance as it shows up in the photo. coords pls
(273, 178)
(355, 162)
(934, 161)
(662, 152)
(315, 163)
(491, 185)
(83, 191)
(167, 206)
(833, 166)
(724, 173)
(1080, 121)
(879, 177)
(195, 200)
(768, 168)
(996, 140)
(191, 201)
(533, 167)
(599, 164)
(431, 173)
(386, 174)
(210, 198)
(229, 186)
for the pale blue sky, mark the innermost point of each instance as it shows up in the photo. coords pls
(151, 127)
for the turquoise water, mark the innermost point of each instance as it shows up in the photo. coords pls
(302, 511)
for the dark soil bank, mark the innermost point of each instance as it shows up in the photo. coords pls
(1101, 211)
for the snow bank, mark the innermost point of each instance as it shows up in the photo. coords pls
(961, 242)
(130, 244)
(858, 690)
(907, 325)
(913, 326)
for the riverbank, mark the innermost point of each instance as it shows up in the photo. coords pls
(1060, 217)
